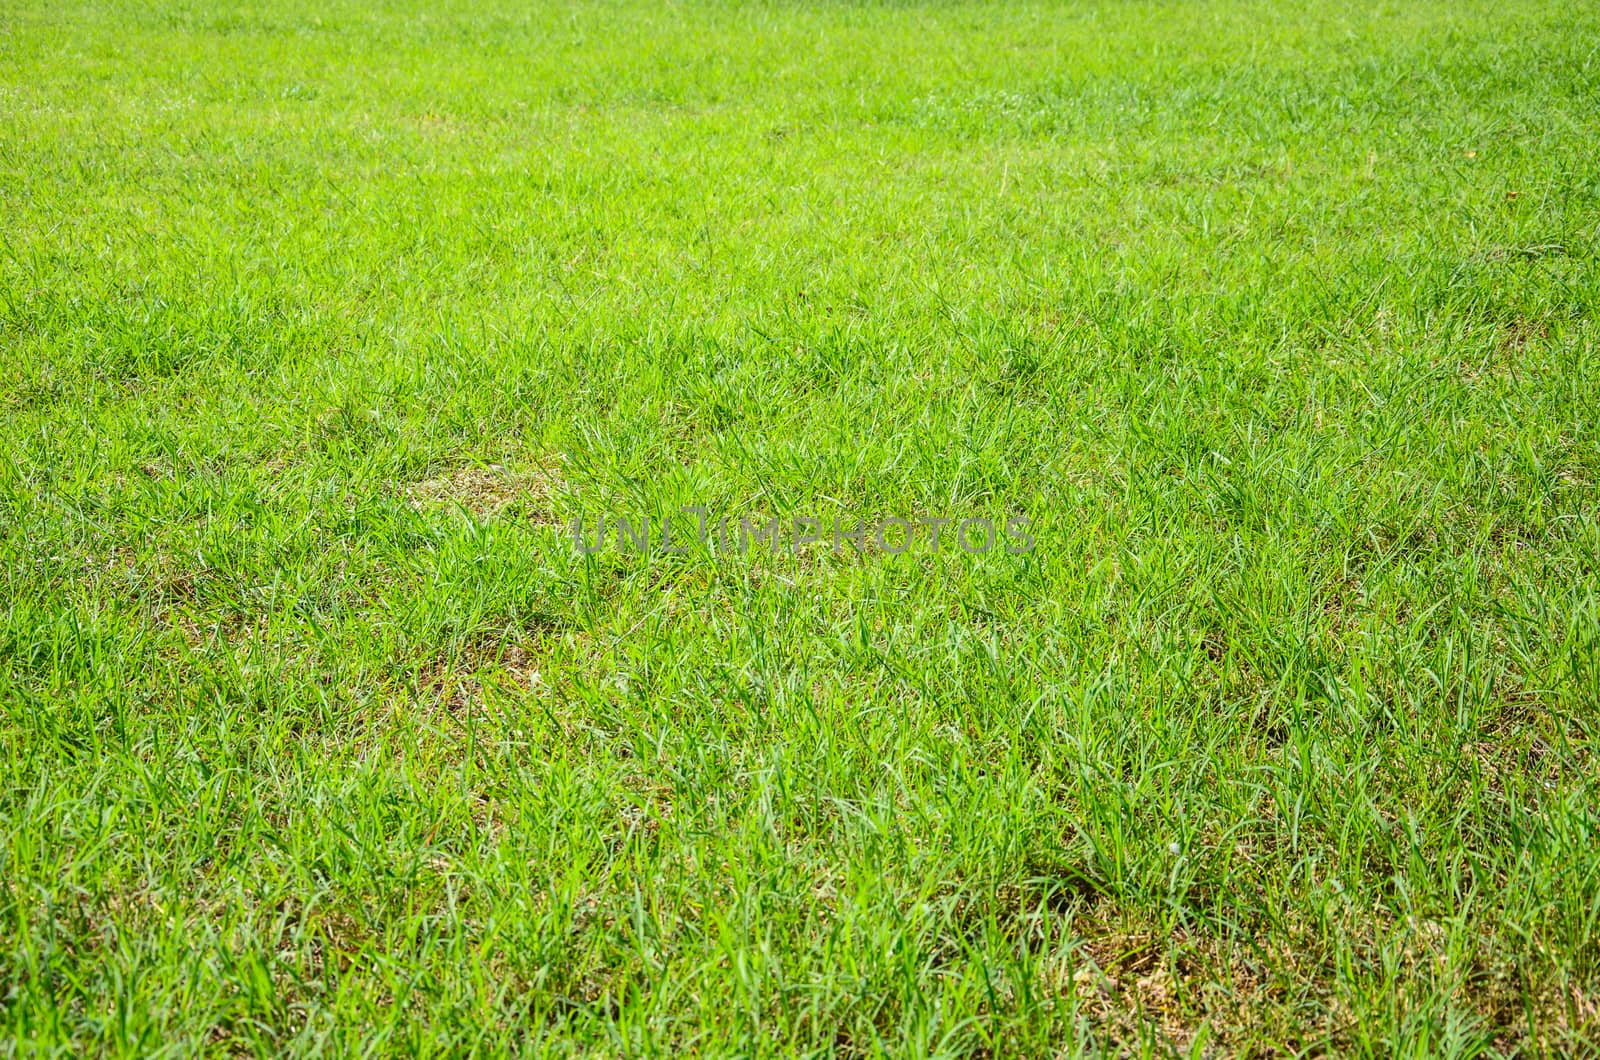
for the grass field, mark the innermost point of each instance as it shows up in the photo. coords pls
(319, 322)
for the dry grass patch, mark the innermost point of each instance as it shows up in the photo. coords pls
(487, 492)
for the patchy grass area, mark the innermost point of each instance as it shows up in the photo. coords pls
(1278, 322)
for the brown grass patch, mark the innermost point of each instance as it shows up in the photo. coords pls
(487, 492)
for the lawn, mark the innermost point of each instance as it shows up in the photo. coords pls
(1271, 329)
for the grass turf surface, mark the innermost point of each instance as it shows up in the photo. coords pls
(1278, 320)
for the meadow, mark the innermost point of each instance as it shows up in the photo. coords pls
(1275, 322)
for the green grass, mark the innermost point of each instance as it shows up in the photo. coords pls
(1279, 321)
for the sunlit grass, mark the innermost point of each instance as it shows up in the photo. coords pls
(319, 322)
